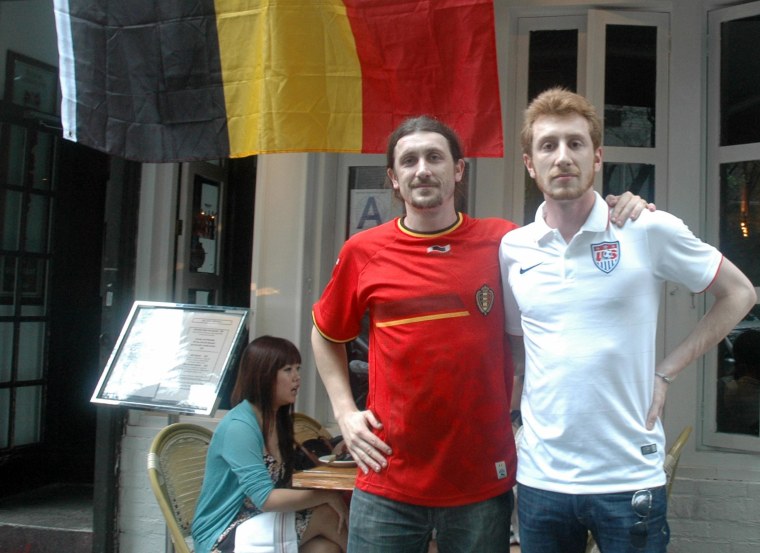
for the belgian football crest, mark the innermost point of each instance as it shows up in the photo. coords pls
(484, 298)
(606, 255)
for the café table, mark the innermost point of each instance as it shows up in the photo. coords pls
(326, 477)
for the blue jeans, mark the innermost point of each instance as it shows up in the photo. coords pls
(381, 525)
(552, 522)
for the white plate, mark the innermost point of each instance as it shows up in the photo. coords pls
(330, 460)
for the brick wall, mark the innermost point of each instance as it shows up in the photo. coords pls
(714, 516)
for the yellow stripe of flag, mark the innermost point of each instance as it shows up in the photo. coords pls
(292, 77)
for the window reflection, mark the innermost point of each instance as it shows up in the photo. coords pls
(41, 153)
(37, 223)
(5, 404)
(200, 297)
(630, 86)
(28, 413)
(552, 61)
(738, 389)
(203, 240)
(636, 177)
(740, 216)
(31, 345)
(739, 82)
(11, 216)
(6, 354)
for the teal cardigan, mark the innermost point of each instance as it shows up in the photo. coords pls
(234, 469)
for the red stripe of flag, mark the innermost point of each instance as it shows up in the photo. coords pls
(435, 57)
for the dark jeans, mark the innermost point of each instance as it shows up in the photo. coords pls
(380, 525)
(552, 522)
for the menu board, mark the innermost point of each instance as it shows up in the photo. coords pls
(172, 357)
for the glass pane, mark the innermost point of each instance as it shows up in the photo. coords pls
(31, 350)
(366, 177)
(739, 82)
(32, 310)
(7, 278)
(12, 141)
(740, 216)
(41, 160)
(28, 415)
(636, 177)
(5, 405)
(37, 224)
(533, 198)
(203, 241)
(630, 86)
(32, 279)
(200, 297)
(6, 351)
(738, 386)
(552, 61)
(11, 216)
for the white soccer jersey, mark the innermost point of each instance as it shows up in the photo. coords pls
(588, 312)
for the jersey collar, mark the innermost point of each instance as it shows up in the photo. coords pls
(416, 234)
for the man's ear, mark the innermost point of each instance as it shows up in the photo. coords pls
(392, 178)
(598, 159)
(528, 161)
(459, 170)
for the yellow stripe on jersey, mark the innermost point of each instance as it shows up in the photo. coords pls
(424, 318)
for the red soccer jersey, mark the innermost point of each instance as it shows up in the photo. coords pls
(440, 373)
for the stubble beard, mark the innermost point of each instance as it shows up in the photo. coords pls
(426, 202)
(567, 193)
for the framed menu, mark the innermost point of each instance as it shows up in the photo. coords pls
(172, 357)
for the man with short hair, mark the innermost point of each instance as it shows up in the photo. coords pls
(582, 301)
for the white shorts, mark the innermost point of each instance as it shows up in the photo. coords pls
(267, 533)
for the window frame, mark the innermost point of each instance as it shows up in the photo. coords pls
(718, 155)
(597, 33)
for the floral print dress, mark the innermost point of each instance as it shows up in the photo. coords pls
(226, 541)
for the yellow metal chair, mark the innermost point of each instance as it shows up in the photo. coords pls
(176, 464)
(671, 464)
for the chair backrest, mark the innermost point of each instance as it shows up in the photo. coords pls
(176, 464)
(307, 428)
(674, 455)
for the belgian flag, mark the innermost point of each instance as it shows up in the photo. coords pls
(181, 80)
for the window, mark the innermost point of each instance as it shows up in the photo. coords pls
(731, 384)
(26, 206)
(619, 61)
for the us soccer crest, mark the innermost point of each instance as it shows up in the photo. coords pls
(484, 298)
(606, 255)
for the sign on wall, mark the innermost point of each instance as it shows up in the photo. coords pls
(370, 207)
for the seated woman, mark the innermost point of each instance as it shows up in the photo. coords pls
(245, 504)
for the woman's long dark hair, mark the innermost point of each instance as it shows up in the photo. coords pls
(256, 381)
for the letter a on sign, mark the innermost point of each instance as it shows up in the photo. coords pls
(370, 208)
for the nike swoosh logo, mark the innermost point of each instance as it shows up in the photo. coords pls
(523, 271)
